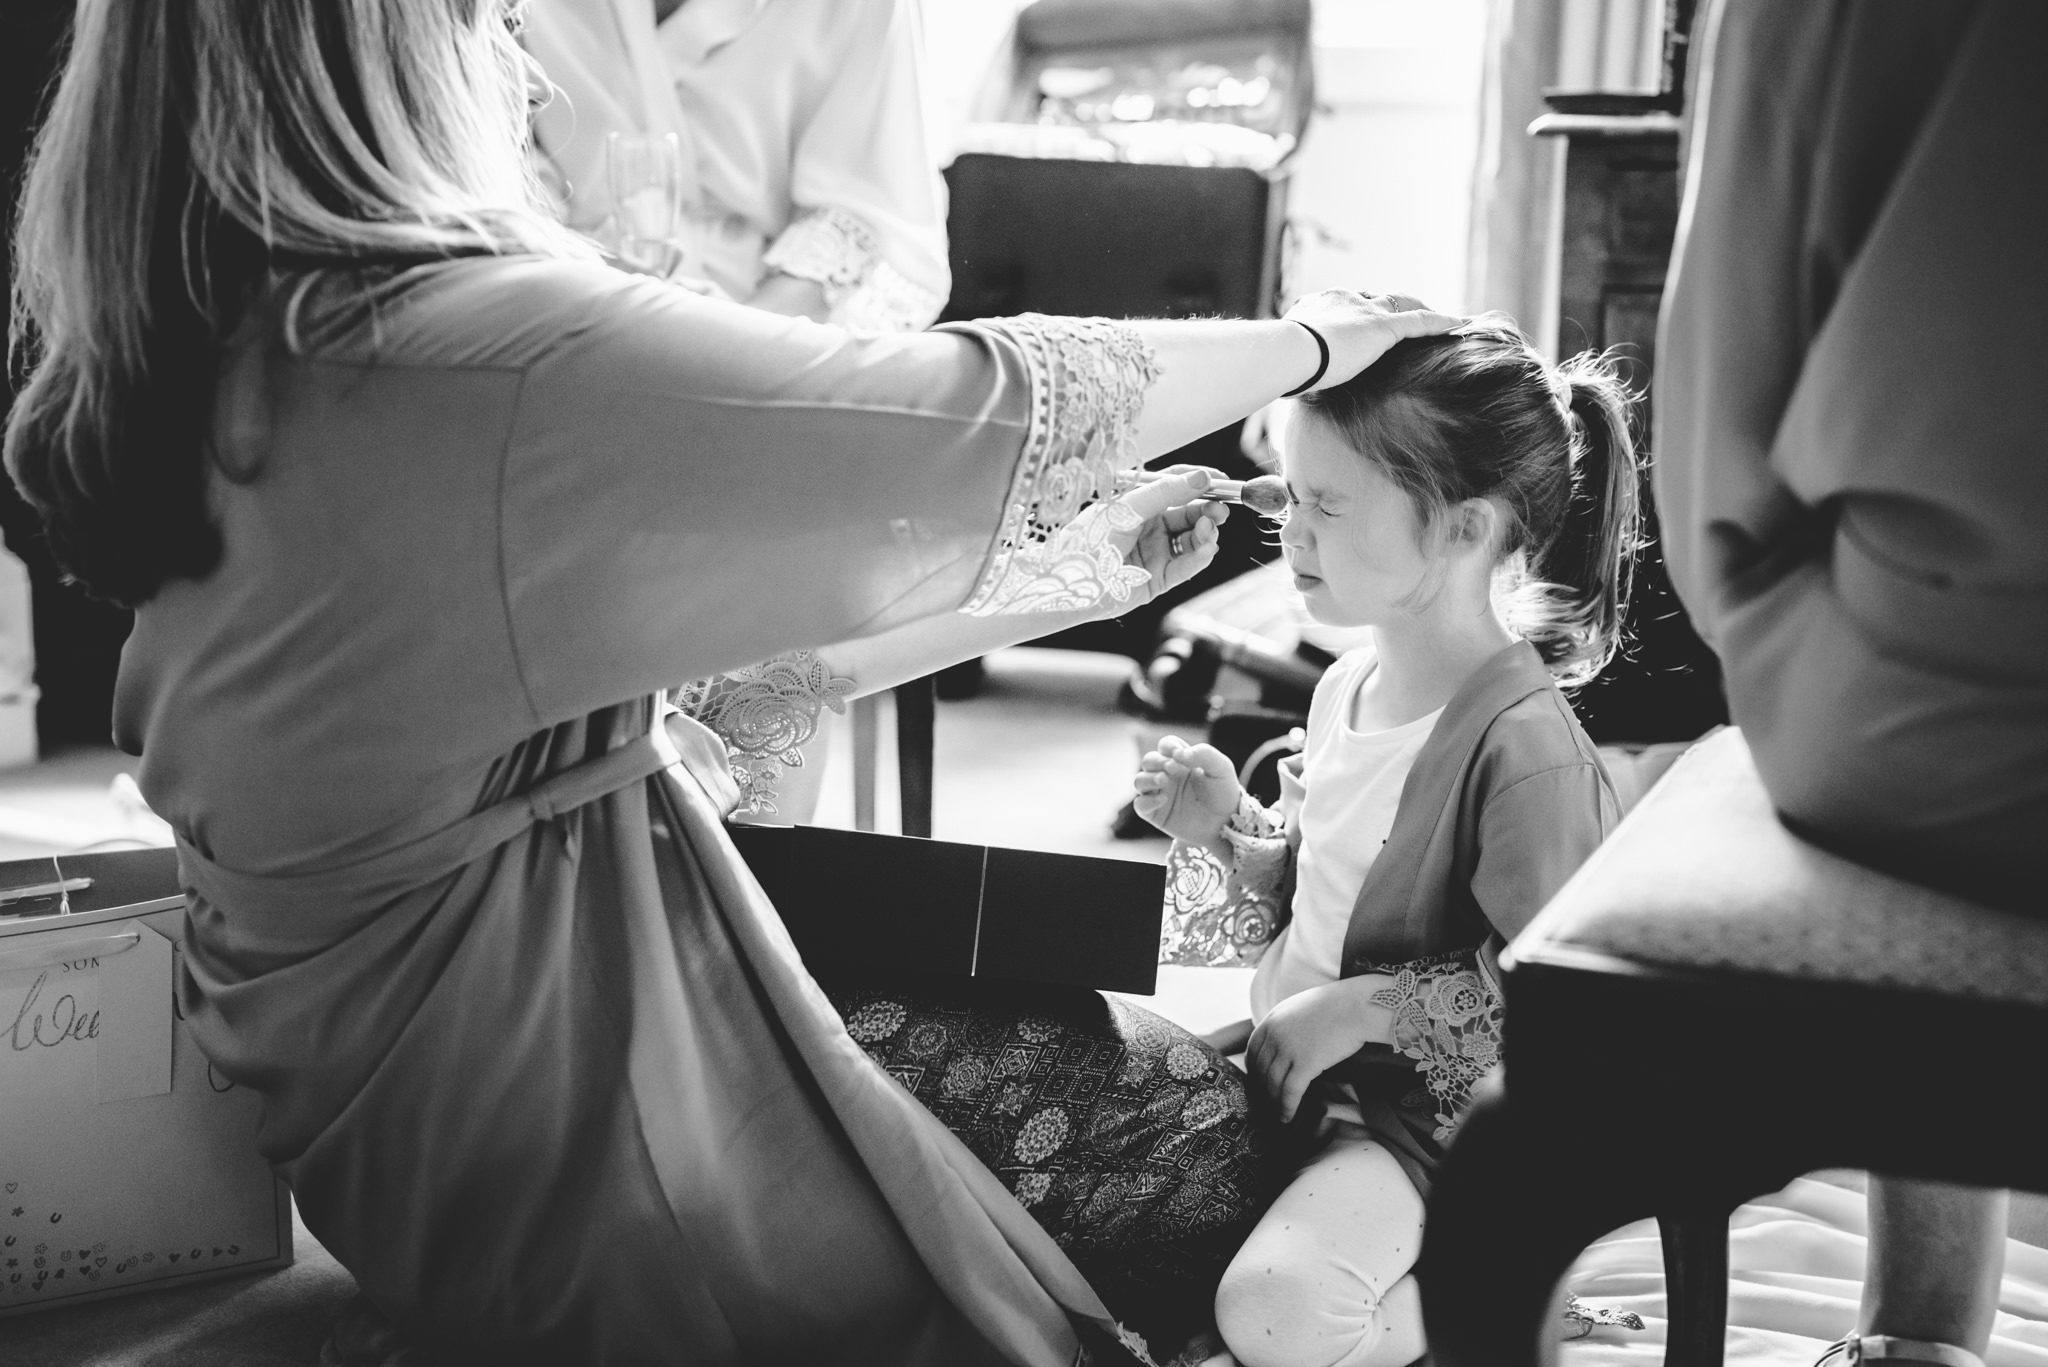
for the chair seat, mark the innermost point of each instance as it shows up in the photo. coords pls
(1704, 877)
(1711, 1007)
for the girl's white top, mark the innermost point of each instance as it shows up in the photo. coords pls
(1344, 803)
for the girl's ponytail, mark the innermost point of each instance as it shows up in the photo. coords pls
(1590, 561)
(1480, 414)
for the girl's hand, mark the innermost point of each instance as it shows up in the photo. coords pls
(1311, 1032)
(1361, 327)
(1186, 790)
(1169, 519)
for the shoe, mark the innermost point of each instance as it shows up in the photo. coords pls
(1855, 1348)
(1582, 1318)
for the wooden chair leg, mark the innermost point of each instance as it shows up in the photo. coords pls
(1516, 1202)
(867, 732)
(1695, 1285)
(916, 712)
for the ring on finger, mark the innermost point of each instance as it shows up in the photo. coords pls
(1177, 543)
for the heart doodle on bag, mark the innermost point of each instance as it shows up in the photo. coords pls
(13, 1187)
(100, 1261)
(175, 1257)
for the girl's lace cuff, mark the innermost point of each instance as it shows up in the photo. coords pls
(765, 713)
(1447, 1017)
(1087, 380)
(1221, 917)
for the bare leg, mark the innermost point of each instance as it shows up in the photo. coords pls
(1937, 1256)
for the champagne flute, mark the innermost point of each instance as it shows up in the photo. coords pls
(644, 172)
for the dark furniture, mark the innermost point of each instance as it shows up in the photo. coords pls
(1712, 1007)
(1621, 191)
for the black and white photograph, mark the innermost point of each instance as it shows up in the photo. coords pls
(1024, 683)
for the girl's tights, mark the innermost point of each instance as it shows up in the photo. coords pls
(1324, 1279)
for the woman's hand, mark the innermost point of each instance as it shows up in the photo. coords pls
(1175, 538)
(1361, 327)
(1188, 791)
(1311, 1032)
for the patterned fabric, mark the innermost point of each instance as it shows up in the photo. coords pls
(764, 713)
(1126, 1136)
(863, 291)
(1088, 379)
(1447, 1017)
(831, 246)
(887, 300)
(1225, 917)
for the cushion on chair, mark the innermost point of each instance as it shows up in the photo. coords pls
(1702, 875)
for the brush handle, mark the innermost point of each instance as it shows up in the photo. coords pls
(1267, 494)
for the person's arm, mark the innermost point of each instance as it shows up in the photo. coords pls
(1226, 893)
(1161, 513)
(767, 713)
(692, 486)
(1446, 1010)
(793, 296)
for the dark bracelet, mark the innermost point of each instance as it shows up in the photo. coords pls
(1322, 364)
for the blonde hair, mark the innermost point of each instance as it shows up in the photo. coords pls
(192, 148)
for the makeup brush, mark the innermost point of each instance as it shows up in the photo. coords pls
(1265, 495)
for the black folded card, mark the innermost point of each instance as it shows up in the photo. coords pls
(856, 901)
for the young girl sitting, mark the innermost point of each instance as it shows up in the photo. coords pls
(1477, 509)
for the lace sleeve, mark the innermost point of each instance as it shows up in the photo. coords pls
(1088, 379)
(765, 713)
(862, 290)
(1447, 1017)
(1225, 918)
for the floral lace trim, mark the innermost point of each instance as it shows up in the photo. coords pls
(863, 290)
(831, 246)
(1447, 1017)
(765, 713)
(887, 300)
(1088, 380)
(1219, 917)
